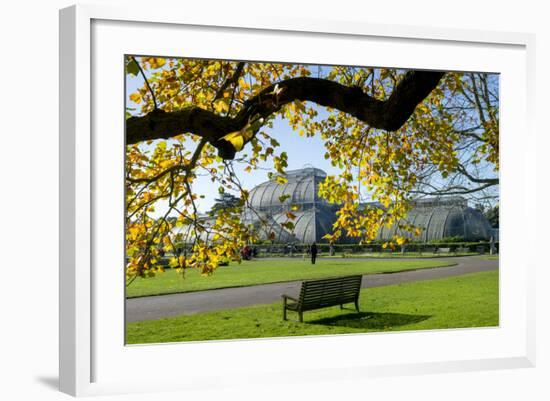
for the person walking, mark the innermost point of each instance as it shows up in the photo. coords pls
(313, 252)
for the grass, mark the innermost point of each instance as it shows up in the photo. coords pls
(268, 271)
(464, 301)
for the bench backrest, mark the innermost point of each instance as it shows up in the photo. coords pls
(330, 291)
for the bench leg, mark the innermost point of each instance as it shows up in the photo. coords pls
(301, 316)
(357, 305)
(341, 306)
(284, 312)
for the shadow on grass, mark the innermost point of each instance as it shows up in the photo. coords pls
(371, 320)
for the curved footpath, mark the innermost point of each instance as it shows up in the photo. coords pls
(159, 306)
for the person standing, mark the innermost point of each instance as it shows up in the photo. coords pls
(313, 252)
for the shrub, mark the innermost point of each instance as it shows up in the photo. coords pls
(448, 240)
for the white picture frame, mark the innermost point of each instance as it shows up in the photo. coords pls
(92, 364)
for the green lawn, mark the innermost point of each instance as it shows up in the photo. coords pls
(464, 301)
(269, 271)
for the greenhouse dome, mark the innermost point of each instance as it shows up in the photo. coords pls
(443, 218)
(309, 225)
(302, 187)
(438, 218)
(314, 215)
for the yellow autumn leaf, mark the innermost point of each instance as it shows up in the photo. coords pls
(135, 97)
(155, 62)
(221, 106)
(236, 139)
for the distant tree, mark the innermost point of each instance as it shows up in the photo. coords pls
(492, 214)
(225, 201)
(481, 208)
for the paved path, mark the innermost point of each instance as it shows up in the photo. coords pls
(156, 307)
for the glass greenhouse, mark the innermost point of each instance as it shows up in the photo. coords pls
(438, 218)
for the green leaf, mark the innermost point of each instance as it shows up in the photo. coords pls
(132, 68)
(288, 225)
(282, 198)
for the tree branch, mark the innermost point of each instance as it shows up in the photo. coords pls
(389, 114)
(147, 83)
(457, 190)
(491, 181)
(232, 80)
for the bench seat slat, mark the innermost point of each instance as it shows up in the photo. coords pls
(326, 293)
(331, 285)
(332, 288)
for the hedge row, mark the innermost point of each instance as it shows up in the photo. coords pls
(476, 247)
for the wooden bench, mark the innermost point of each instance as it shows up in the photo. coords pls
(316, 294)
(432, 250)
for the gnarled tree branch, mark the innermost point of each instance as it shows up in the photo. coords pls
(389, 114)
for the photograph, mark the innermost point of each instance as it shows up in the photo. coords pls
(270, 199)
